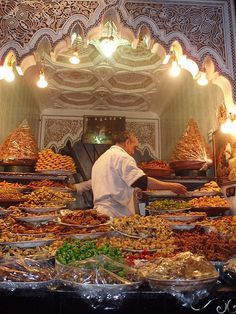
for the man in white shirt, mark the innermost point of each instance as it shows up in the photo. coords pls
(115, 175)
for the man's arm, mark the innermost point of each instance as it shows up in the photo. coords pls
(154, 184)
(83, 186)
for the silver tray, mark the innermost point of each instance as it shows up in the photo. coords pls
(161, 193)
(126, 234)
(182, 218)
(211, 210)
(182, 285)
(4, 212)
(36, 235)
(41, 209)
(161, 211)
(139, 251)
(199, 193)
(24, 285)
(37, 219)
(84, 226)
(92, 235)
(56, 172)
(28, 244)
(182, 227)
(99, 288)
(37, 258)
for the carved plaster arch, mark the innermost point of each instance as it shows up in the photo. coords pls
(132, 16)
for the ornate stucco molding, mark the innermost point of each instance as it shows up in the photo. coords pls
(56, 131)
(204, 28)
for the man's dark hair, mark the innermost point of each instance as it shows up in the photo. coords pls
(122, 136)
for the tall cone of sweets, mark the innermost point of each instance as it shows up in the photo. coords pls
(191, 151)
(20, 147)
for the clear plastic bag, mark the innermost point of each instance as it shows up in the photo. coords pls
(25, 273)
(186, 276)
(100, 281)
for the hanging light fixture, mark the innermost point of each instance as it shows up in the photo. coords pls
(174, 68)
(202, 78)
(226, 127)
(42, 82)
(7, 71)
(74, 59)
(229, 126)
(108, 43)
(8, 67)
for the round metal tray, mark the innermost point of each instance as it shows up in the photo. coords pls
(139, 251)
(182, 218)
(169, 211)
(28, 244)
(182, 227)
(41, 209)
(126, 234)
(24, 285)
(55, 171)
(37, 219)
(92, 235)
(4, 212)
(84, 226)
(211, 210)
(182, 285)
(102, 288)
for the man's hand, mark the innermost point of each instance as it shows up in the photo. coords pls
(177, 188)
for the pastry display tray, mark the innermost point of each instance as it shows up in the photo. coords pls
(182, 285)
(28, 244)
(83, 226)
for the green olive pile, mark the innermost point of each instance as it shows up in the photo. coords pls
(168, 205)
(79, 250)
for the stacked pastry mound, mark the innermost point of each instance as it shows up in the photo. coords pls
(48, 160)
(192, 148)
(20, 147)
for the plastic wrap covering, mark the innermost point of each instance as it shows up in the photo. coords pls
(25, 273)
(100, 281)
(186, 276)
(20, 146)
(229, 271)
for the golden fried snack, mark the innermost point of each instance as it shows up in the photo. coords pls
(19, 146)
(48, 160)
(191, 145)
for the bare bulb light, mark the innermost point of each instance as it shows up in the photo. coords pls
(226, 127)
(175, 69)
(74, 59)
(108, 46)
(42, 83)
(9, 75)
(202, 80)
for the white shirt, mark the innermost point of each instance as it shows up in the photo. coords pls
(112, 176)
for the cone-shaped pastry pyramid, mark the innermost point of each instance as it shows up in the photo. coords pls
(19, 146)
(191, 145)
